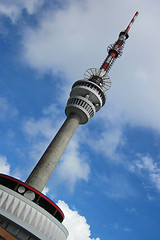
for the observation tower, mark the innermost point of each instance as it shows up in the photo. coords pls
(27, 214)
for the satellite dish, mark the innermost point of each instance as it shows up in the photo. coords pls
(98, 76)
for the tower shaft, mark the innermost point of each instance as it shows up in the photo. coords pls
(46, 165)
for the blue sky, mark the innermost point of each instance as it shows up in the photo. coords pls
(108, 180)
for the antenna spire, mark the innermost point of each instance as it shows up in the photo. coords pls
(131, 22)
(115, 50)
(99, 76)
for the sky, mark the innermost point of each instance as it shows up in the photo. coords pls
(108, 180)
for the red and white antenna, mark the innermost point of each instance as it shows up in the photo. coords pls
(131, 22)
(99, 76)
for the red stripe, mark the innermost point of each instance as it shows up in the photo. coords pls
(34, 190)
(105, 66)
(131, 22)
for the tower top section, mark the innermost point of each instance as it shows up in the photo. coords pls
(131, 22)
(115, 50)
(88, 95)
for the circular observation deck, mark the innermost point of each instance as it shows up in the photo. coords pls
(86, 98)
(30, 210)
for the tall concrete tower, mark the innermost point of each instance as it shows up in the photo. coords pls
(25, 213)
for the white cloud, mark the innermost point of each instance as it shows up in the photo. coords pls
(131, 211)
(73, 165)
(45, 190)
(75, 224)
(14, 9)
(39, 133)
(108, 142)
(4, 165)
(46, 126)
(7, 110)
(126, 229)
(37, 149)
(115, 186)
(68, 39)
(42, 130)
(5, 168)
(150, 197)
(41, 127)
(148, 168)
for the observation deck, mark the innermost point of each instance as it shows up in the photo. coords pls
(27, 214)
(87, 96)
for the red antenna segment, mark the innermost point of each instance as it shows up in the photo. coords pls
(131, 22)
(115, 50)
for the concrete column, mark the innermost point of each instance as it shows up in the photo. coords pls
(46, 165)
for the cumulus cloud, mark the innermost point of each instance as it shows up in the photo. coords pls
(75, 223)
(148, 168)
(4, 165)
(14, 9)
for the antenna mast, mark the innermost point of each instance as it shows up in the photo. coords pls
(114, 51)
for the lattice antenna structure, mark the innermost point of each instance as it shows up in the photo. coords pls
(116, 50)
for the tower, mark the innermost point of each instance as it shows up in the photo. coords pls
(25, 213)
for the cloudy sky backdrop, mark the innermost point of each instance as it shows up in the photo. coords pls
(108, 180)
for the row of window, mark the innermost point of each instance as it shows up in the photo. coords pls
(91, 86)
(83, 104)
